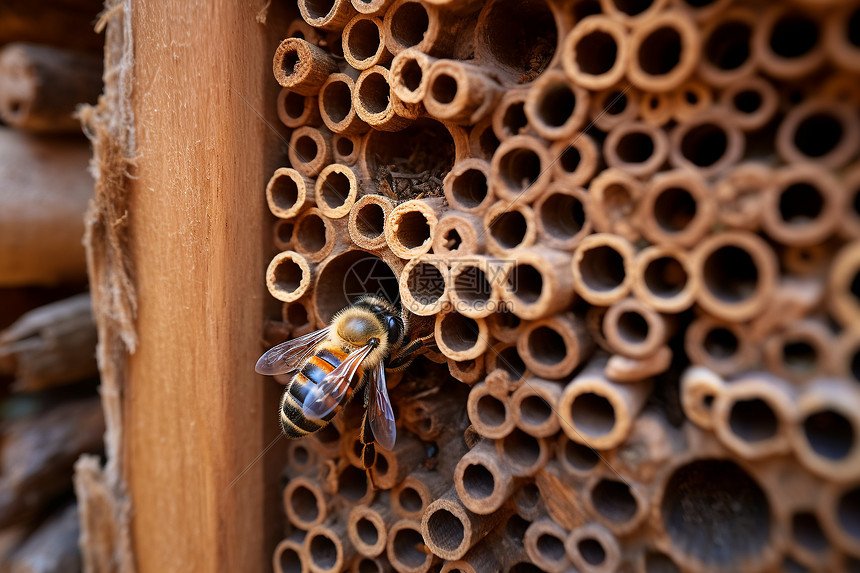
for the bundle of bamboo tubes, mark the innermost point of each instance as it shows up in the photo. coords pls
(632, 228)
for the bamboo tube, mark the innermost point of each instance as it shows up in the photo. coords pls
(429, 417)
(336, 190)
(305, 503)
(288, 193)
(556, 107)
(40, 87)
(802, 350)
(739, 194)
(594, 326)
(336, 97)
(656, 108)
(563, 218)
(504, 361)
(738, 271)
(51, 548)
(296, 110)
(523, 454)
(553, 347)
(612, 201)
(792, 300)
(700, 388)
(751, 416)
(623, 369)
(41, 221)
(839, 41)
(803, 205)
(459, 337)
(460, 92)
(50, 346)
(664, 278)
(483, 481)
(467, 371)
(314, 236)
(353, 486)
(664, 51)
(328, 547)
(621, 506)
(519, 170)
(409, 72)
(367, 221)
(450, 530)
(300, 457)
(593, 549)
(636, 148)
(457, 235)
(298, 28)
(288, 276)
(309, 150)
(577, 160)
(376, 104)
(576, 459)
(410, 226)
(371, 7)
(528, 503)
(483, 142)
(509, 118)
(346, 148)
(392, 466)
(726, 47)
(753, 102)
(427, 28)
(563, 502)
(509, 227)
(406, 550)
(632, 13)
(301, 66)
(707, 144)
(836, 506)
(843, 299)
(825, 433)
(819, 131)
(483, 557)
(538, 284)
(677, 209)
(613, 106)
(474, 284)
(290, 557)
(362, 43)
(325, 444)
(423, 286)
(595, 53)
(533, 407)
(691, 99)
(634, 329)
(544, 544)
(367, 527)
(410, 498)
(42, 450)
(466, 187)
(330, 15)
(599, 413)
(490, 415)
(806, 261)
(601, 268)
(786, 43)
(504, 326)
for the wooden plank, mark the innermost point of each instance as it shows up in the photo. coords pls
(196, 415)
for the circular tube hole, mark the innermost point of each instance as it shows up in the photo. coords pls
(514, 119)
(521, 448)
(472, 286)
(446, 530)
(704, 144)
(592, 551)
(285, 192)
(596, 53)
(547, 347)
(665, 277)
(290, 561)
(363, 39)
(370, 220)
(635, 147)
(413, 230)
(632, 7)
(728, 46)
(337, 103)
(526, 283)
(579, 456)
(410, 500)
(352, 483)
(593, 414)
(425, 283)
(407, 542)
(674, 209)
(367, 531)
(306, 148)
(459, 332)
(848, 512)
(555, 106)
(793, 35)
(520, 168)
(288, 275)
(818, 134)
(660, 52)
(409, 23)
(800, 203)
(305, 504)
(535, 410)
(412, 75)
(632, 327)
(807, 532)
(470, 188)
(563, 215)
(375, 93)
(753, 420)
(509, 360)
(294, 105)
(344, 146)
(323, 552)
(509, 229)
(602, 268)
(520, 36)
(491, 411)
(550, 547)
(614, 501)
(721, 343)
(444, 89)
(730, 274)
(829, 434)
(335, 189)
(478, 481)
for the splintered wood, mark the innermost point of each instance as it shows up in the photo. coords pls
(633, 228)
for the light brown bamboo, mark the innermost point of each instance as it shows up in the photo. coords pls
(410, 498)
(409, 72)
(655, 108)
(346, 148)
(328, 547)
(330, 15)
(309, 150)
(615, 105)
(509, 227)
(634, 329)
(632, 13)
(509, 117)
(410, 24)
(577, 160)
(700, 388)
(753, 102)
(298, 28)
(289, 557)
(802, 350)
(336, 190)
(458, 235)
(751, 416)
(538, 284)
(371, 7)
(838, 42)
(597, 412)
(593, 549)
(40, 87)
(739, 194)
(850, 223)
(524, 455)
(574, 458)
(296, 110)
(691, 99)
(460, 92)
(820, 131)
(367, 526)
(466, 186)
(490, 414)
(474, 285)
(554, 346)
(459, 337)
(506, 369)
(410, 226)
(301, 66)
(504, 326)
(612, 201)
(664, 278)
(406, 549)
(392, 466)
(677, 208)
(300, 457)
(336, 106)
(601, 268)
(636, 148)
(620, 505)
(450, 530)
(52, 345)
(482, 139)
(664, 51)
(483, 481)
(314, 236)
(556, 107)
(288, 193)
(708, 143)
(544, 544)
(738, 271)
(620, 368)
(519, 170)
(424, 288)
(562, 216)
(780, 56)
(367, 221)
(467, 371)
(595, 53)
(726, 47)
(533, 407)
(288, 276)
(305, 503)
(42, 204)
(836, 501)
(376, 103)
(362, 43)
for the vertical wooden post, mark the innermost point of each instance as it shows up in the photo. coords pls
(196, 415)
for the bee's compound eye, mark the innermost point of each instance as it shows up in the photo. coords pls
(394, 327)
(376, 308)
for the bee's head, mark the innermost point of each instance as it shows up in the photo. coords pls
(386, 313)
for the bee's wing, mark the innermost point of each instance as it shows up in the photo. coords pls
(330, 392)
(288, 355)
(380, 412)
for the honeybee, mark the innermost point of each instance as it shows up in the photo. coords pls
(332, 364)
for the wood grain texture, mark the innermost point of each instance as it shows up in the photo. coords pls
(196, 415)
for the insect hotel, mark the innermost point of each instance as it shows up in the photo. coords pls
(528, 285)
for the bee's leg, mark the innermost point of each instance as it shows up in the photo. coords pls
(368, 444)
(408, 353)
